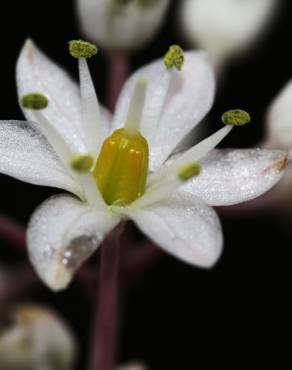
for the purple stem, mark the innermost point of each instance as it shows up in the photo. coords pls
(119, 69)
(12, 232)
(16, 281)
(136, 260)
(105, 326)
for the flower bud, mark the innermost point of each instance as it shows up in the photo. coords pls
(133, 366)
(121, 24)
(33, 337)
(224, 27)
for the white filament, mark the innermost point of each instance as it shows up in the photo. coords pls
(91, 191)
(156, 104)
(91, 116)
(54, 137)
(137, 103)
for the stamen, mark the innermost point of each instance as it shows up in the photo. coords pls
(165, 189)
(236, 117)
(34, 101)
(91, 116)
(82, 49)
(133, 122)
(192, 155)
(92, 193)
(174, 57)
(82, 163)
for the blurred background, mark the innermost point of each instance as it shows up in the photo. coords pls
(175, 316)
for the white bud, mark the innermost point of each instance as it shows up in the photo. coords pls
(34, 337)
(121, 24)
(225, 27)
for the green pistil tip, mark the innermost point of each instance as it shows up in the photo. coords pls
(34, 101)
(174, 57)
(82, 163)
(189, 171)
(82, 49)
(236, 117)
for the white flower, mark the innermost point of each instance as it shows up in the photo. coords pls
(166, 104)
(121, 24)
(279, 124)
(133, 366)
(35, 338)
(279, 130)
(225, 27)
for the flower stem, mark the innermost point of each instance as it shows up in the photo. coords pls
(16, 282)
(13, 232)
(118, 72)
(105, 326)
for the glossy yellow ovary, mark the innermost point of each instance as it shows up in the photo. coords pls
(121, 168)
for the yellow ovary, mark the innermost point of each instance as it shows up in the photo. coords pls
(121, 168)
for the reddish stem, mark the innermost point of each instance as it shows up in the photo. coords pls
(137, 259)
(16, 282)
(105, 327)
(12, 232)
(118, 72)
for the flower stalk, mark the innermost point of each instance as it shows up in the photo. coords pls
(118, 72)
(13, 232)
(105, 326)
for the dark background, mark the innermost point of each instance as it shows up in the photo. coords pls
(176, 316)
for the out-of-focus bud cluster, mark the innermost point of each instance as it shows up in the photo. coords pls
(32, 337)
(133, 366)
(121, 24)
(225, 27)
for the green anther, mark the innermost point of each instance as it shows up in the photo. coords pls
(82, 49)
(82, 163)
(174, 57)
(189, 171)
(236, 117)
(34, 101)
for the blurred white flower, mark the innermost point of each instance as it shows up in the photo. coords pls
(279, 130)
(279, 119)
(133, 366)
(121, 24)
(35, 337)
(115, 172)
(225, 27)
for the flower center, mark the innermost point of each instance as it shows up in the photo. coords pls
(122, 167)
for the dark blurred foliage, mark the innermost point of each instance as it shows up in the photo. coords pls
(177, 316)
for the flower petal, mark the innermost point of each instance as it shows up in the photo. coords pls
(175, 103)
(233, 176)
(62, 234)
(37, 73)
(26, 155)
(184, 227)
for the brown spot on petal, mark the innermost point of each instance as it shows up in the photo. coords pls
(281, 164)
(278, 166)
